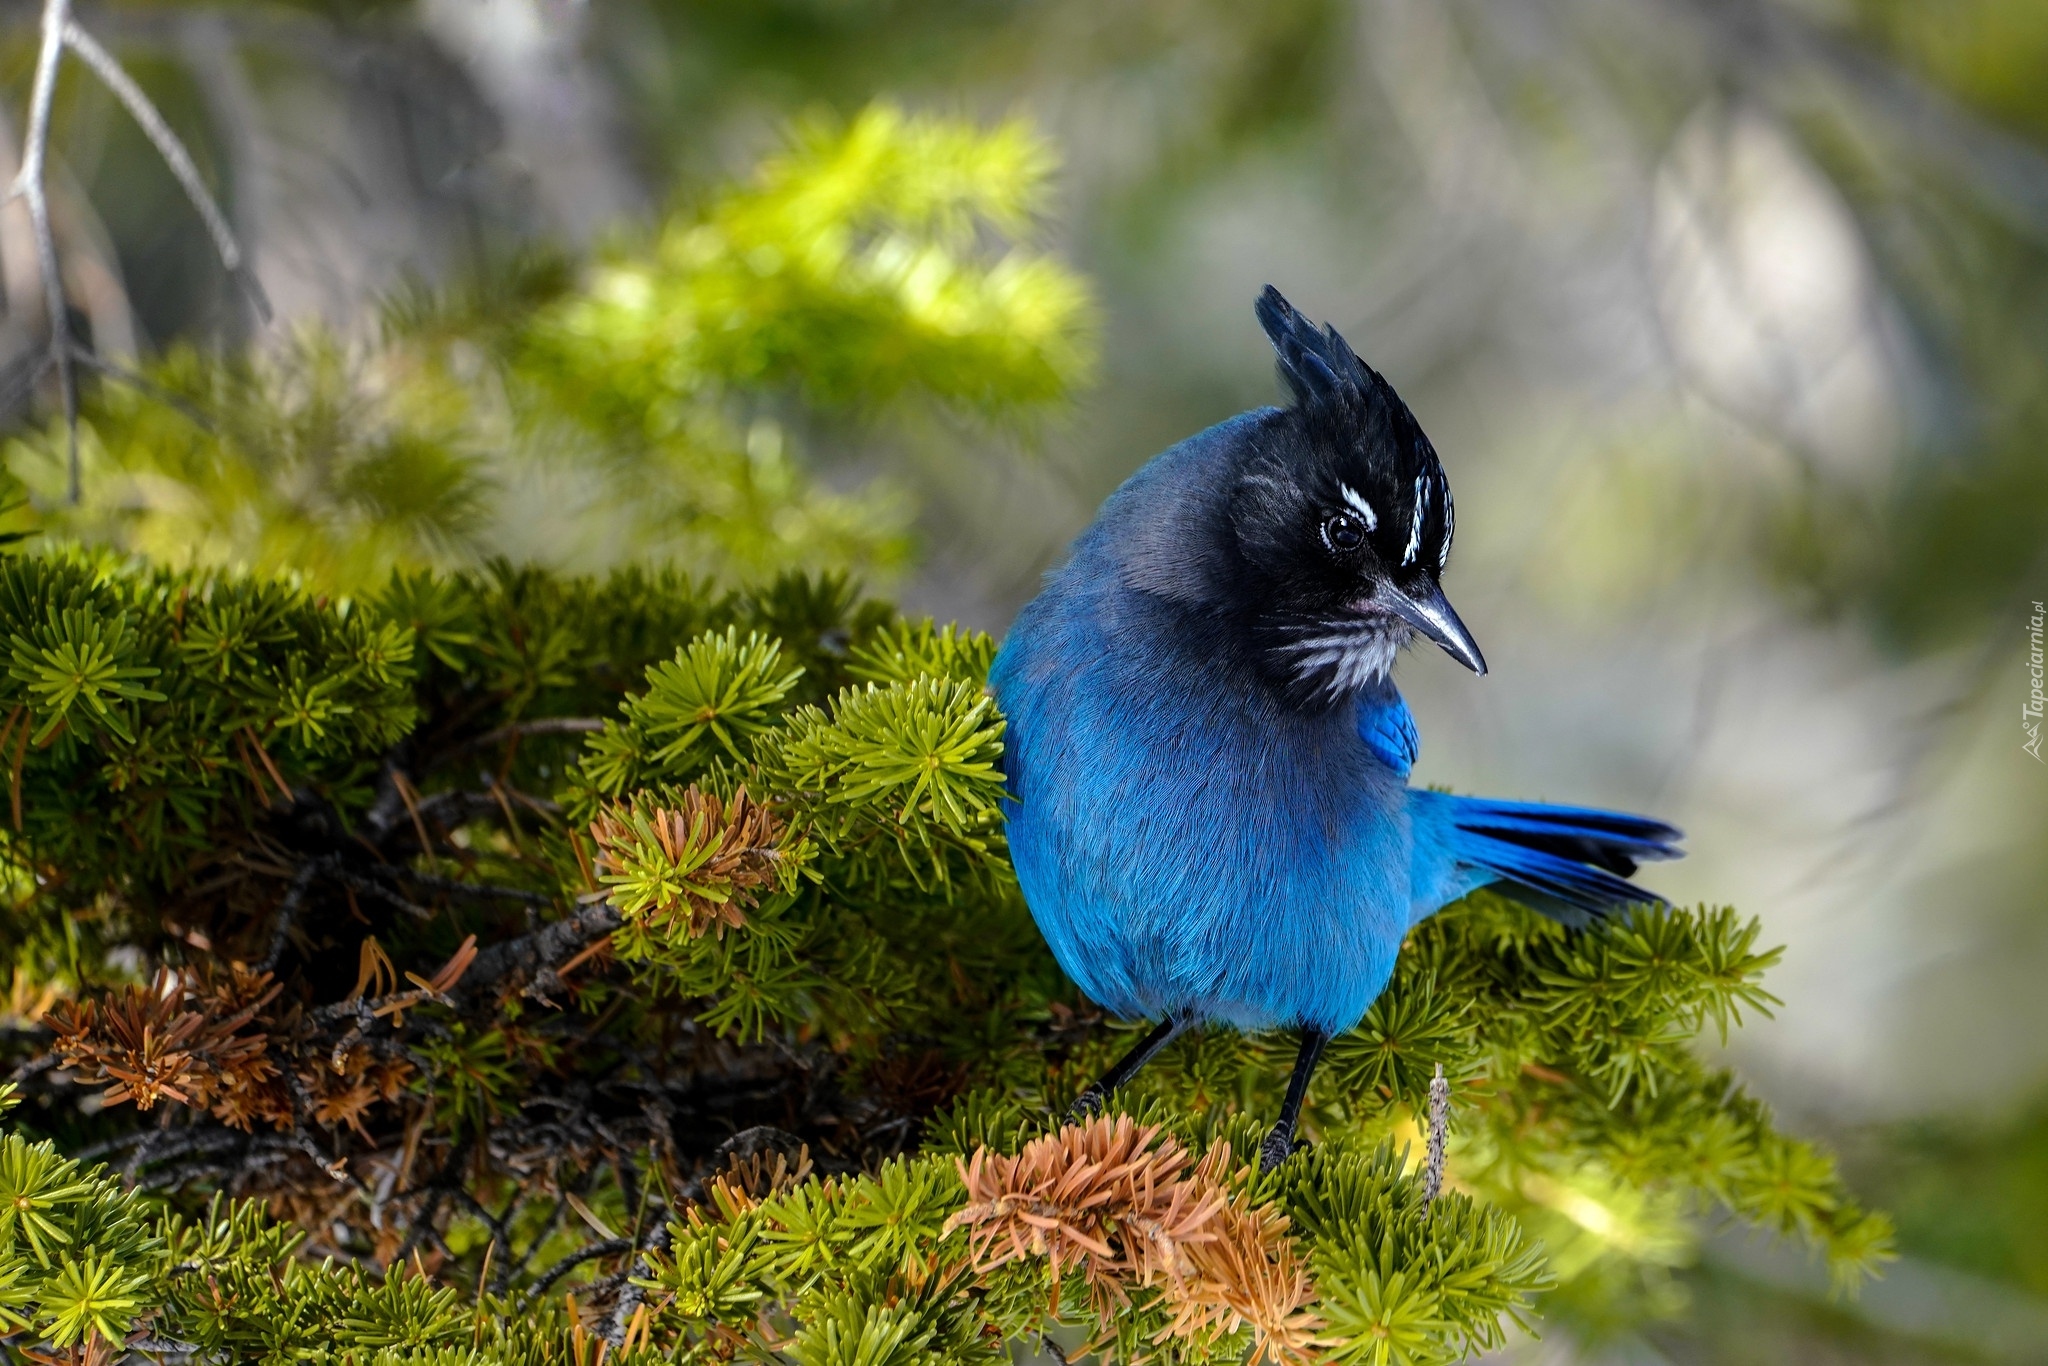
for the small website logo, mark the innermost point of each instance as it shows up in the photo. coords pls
(2030, 714)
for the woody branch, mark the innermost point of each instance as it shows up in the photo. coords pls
(59, 32)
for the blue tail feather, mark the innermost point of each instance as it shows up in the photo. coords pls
(1568, 862)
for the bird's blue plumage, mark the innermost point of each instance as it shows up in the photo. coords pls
(1181, 841)
(1207, 761)
(1388, 729)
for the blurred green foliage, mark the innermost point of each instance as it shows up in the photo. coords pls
(1969, 1195)
(877, 268)
(1990, 53)
(849, 271)
(1921, 547)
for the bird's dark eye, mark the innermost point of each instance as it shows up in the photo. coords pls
(1343, 532)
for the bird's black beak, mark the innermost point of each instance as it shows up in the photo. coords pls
(1431, 614)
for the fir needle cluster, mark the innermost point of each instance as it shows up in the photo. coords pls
(587, 902)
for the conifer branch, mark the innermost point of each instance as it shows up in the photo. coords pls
(791, 923)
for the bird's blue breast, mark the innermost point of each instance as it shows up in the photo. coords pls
(1183, 840)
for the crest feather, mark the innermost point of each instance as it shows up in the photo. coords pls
(1348, 407)
(1317, 364)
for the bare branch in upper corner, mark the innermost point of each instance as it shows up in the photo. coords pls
(175, 156)
(28, 184)
(58, 33)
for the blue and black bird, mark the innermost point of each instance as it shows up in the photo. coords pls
(1207, 761)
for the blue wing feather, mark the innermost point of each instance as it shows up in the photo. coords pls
(1388, 729)
(1637, 838)
(1569, 862)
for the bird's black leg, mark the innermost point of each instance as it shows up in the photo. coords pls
(1090, 1100)
(1280, 1142)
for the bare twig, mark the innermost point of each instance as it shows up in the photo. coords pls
(498, 1224)
(388, 808)
(611, 1247)
(632, 1294)
(435, 1191)
(288, 911)
(480, 891)
(59, 32)
(370, 886)
(175, 156)
(510, 1270)
(142, 384)
(28, 185)
(1439, 1129)
(460, 806)
(549, 725)
(22, 379)
(540, 950)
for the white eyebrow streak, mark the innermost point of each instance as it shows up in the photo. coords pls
(1415, 522)
(1443, 555)
(1357, 500)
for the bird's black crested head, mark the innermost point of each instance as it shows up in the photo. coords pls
(1343, 521)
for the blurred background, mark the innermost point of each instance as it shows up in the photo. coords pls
(1729, 318)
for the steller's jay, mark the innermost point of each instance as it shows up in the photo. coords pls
(1207, 762)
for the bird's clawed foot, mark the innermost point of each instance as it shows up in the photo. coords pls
(1095, 1099)
(1089, 1102)
(1280, 1145)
